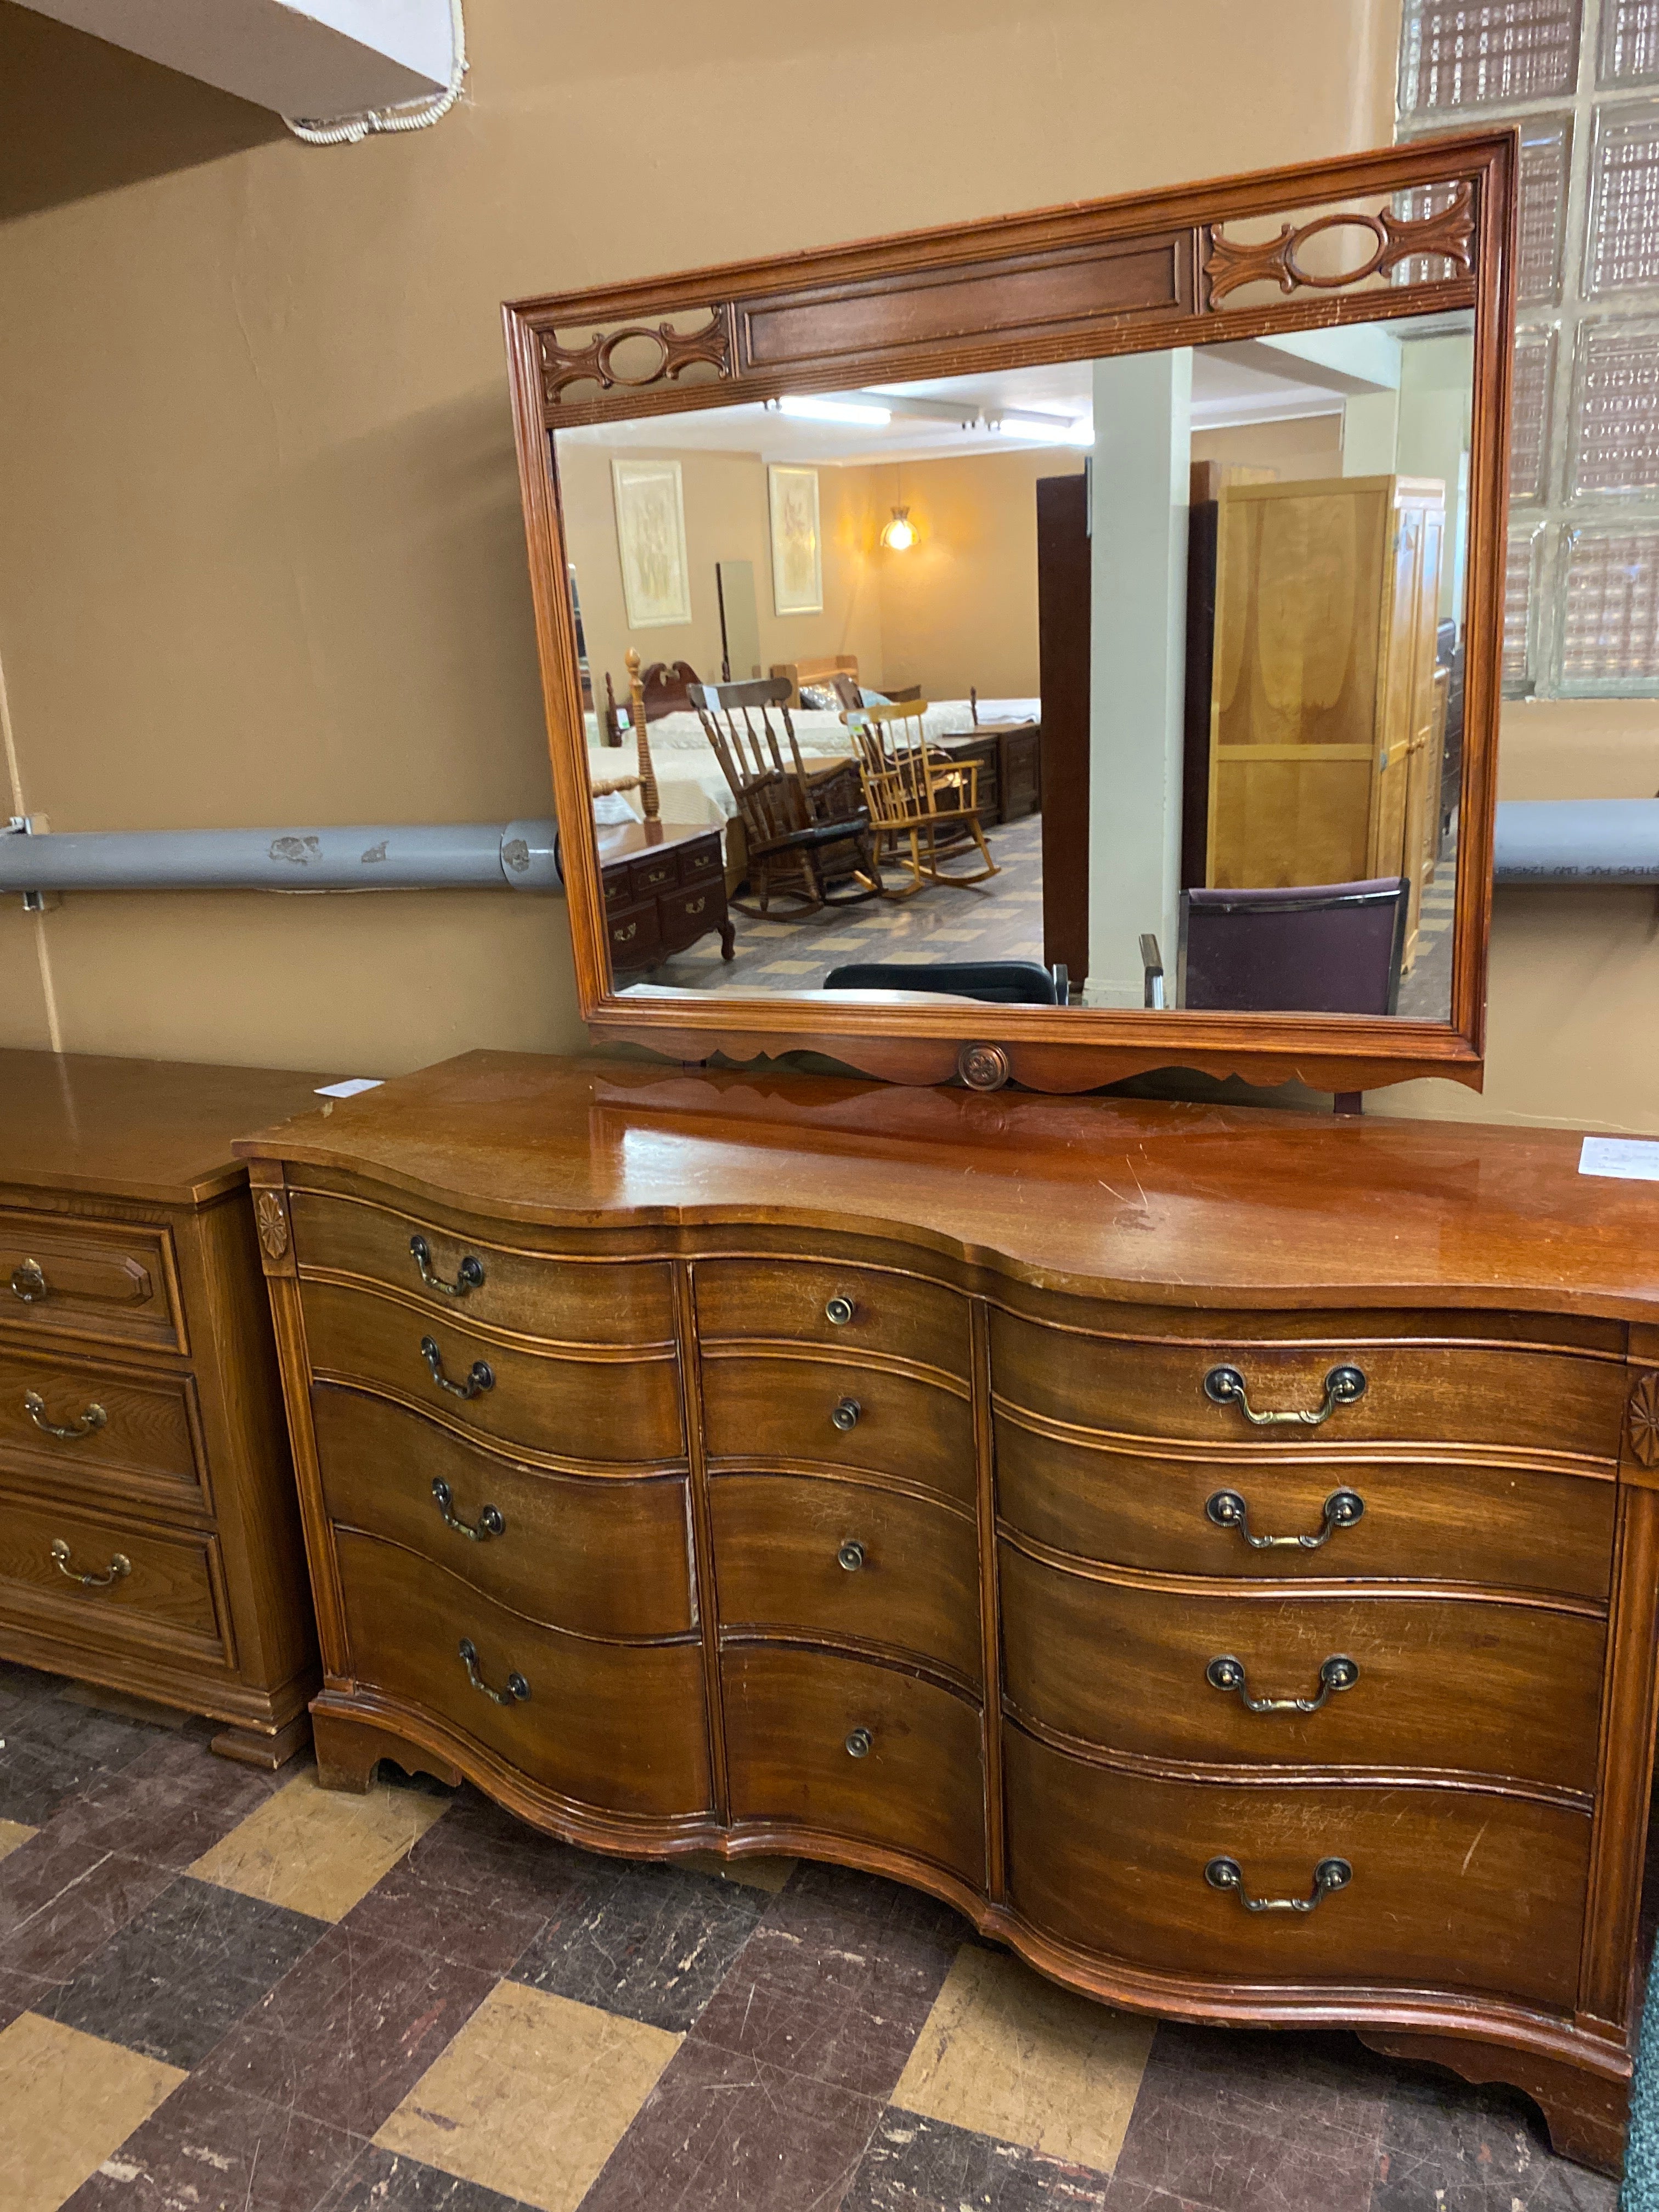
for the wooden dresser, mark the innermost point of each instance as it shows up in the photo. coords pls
(1215, 1550)
(663, 889)
(148, 1536)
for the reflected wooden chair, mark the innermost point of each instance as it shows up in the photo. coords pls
(794, 851)
(922, 805)
(645, 779)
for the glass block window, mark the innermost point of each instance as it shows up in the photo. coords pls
(1581, 80)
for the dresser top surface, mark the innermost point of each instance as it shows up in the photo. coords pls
(1184, 1203)
(148, 1130)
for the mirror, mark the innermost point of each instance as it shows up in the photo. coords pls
(1097, 691)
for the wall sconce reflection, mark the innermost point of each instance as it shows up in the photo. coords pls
(900, 534)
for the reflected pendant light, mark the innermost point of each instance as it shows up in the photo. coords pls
(900, 534)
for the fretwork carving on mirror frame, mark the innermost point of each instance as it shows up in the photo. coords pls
(1236, 262)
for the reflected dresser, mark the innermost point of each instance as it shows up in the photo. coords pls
(1214, 1549)
(149, 1539)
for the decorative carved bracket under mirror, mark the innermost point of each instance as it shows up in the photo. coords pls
(1044, 649)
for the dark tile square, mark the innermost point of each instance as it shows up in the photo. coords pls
(1255, 2122)
(824, 1989)
(384, 2181)
(60, 1903)
(53, 1751)
(207, 2148)
(172, 1803)
(916, 2165)
(724, 2133)
(1461, 2149)
(478, 1888)
(887, 1909)
(21, 1993)
(651, 1942)
(172, 1981)
(350, 2031)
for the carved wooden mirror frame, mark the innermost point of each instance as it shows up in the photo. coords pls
(1121, 276)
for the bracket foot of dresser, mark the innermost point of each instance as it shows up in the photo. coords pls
(1586, 2113)
(254, 1747)
(349, 1751)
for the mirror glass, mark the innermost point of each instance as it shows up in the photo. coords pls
(1145, 672)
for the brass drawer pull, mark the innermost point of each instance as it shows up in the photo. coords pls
(469, 1276)
(845, 1414)
(1328, 1874)
(1228, 1510)
(838, 1312)
(1336, 1674)
(1225, 1386)
(517, 1688)
(480, 1376)
(93, 1419)
(28, 1282)
(851, 1555)
(119, 1564)
(489, 1523)
(859, 1743)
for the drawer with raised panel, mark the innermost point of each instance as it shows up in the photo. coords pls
(1409, 1888)
(1324, 1678)
(611, 1412)
(1232, 1389)
(774, 1408)
(471, 1275)
(598, 1555)
(1309, 1515)
(89, 1279)
(618, 1726)
(90, 1426)
(107, 1578)
(845, 1748)
(823, 1557)
(852, 1311)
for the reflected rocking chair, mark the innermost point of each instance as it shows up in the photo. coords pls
(922, 804)
(792, 852)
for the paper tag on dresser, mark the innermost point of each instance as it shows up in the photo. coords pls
(350, 1088)
(1633, 1159)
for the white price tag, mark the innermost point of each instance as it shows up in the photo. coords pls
(350, 1088)
(1633, 1159)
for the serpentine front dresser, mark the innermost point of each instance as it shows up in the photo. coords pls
(1214, 1549)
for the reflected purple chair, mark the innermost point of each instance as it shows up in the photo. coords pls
(1312, 949)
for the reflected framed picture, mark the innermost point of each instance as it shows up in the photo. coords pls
(797, 556)
(651, 543)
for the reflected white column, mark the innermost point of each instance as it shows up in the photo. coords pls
(1138, 640)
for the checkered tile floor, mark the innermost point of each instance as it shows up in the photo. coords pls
(222, 1991)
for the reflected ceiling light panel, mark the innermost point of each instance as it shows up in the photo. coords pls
(836, 410)
(900, 534)
(1048, 429)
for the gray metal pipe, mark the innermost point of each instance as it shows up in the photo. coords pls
(1577, 841)
(382, 857)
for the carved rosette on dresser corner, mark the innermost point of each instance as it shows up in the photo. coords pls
(1253, 1620)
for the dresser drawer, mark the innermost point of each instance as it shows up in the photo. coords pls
(150, 1588)
(1519, 1399)
(1452, 1889)
(854, 1311)
(1506, 1528)
(1436, 1683)
(917, 1787)
(633, 935)
(609, 1302)
(618, 1726)
(125, 1434)
(599, 1556)
(820, 1411)
(657, 872)
(816, 1555)
(700, 860)
(74, 1278)
(609, 1411)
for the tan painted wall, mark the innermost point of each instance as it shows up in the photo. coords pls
(1309, 447)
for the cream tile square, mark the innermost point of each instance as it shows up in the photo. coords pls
(531, 2097)
(769, 1874)
(68, 2099)
(13, 1832)
(318, 1850)
(1013, 2056)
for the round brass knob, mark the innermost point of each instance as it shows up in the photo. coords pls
(859, 1743)
(851, 1555)
(838, 1312)
(845, 1415)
